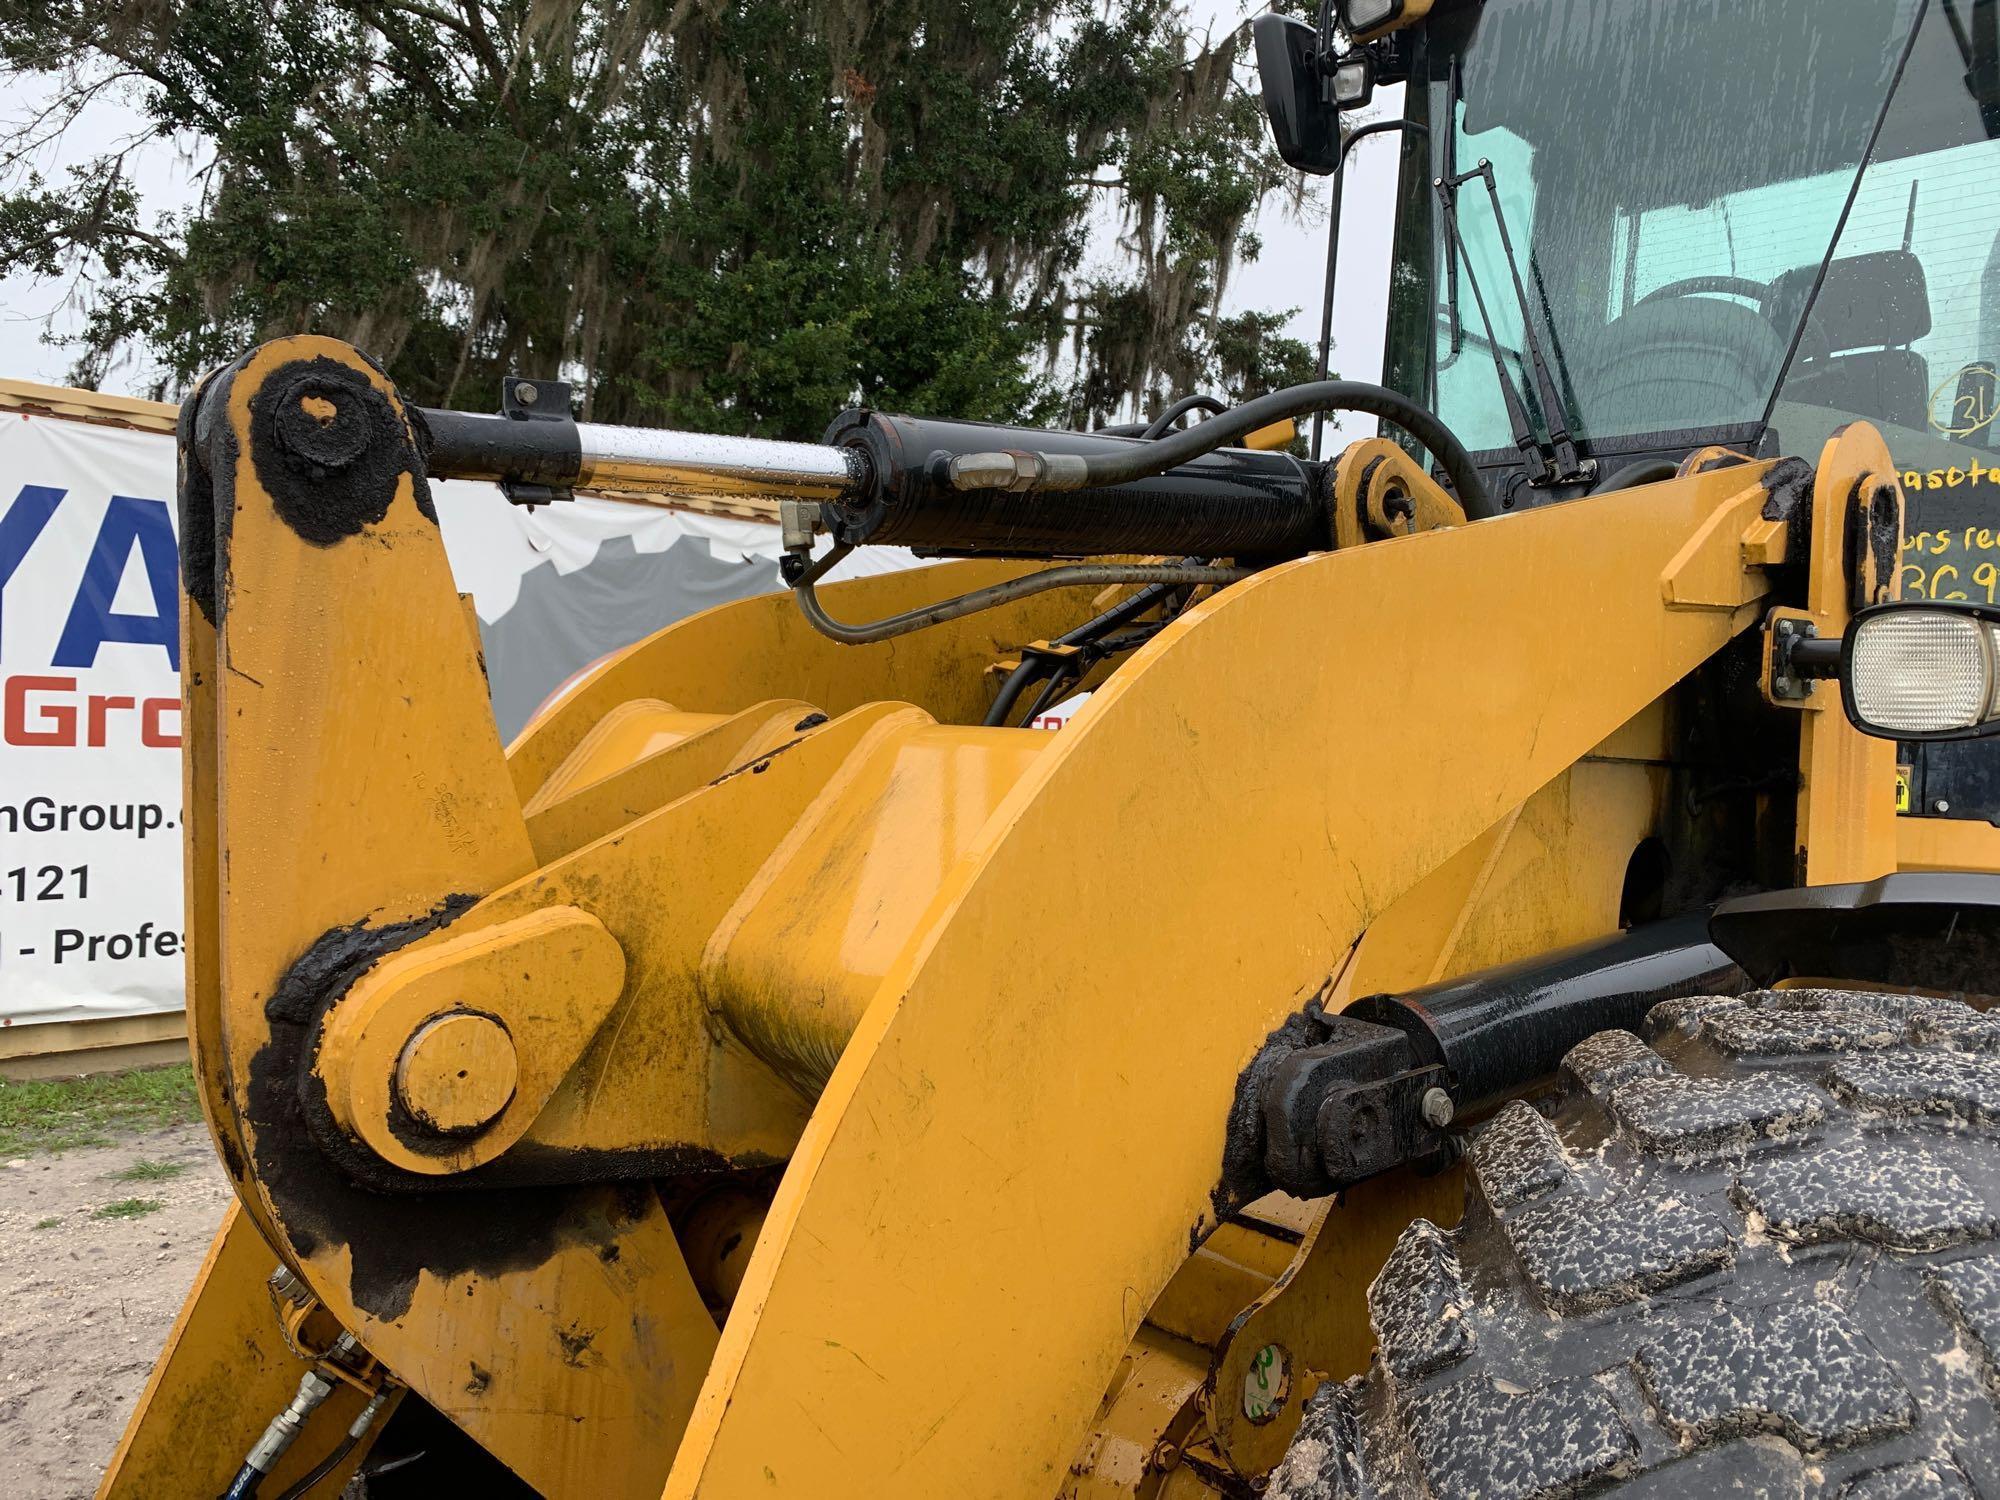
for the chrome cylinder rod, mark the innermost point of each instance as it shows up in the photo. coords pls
(638, 460)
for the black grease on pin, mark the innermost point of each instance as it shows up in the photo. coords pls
(206, 493)
(329, 448)
(391, 1239)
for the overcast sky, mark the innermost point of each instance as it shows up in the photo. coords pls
(1289, 273)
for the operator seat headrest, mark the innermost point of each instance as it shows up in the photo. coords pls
(1875, 300)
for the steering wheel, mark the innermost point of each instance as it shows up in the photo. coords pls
(1698, 286)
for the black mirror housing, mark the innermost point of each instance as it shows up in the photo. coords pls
(1304, 124)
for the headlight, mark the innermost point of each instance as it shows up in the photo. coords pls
(1923, 671)
(1353, 81)
(1364, 20)
(1366, 15)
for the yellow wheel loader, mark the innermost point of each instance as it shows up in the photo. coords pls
(1485, 998)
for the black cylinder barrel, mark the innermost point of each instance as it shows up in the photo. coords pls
(1232, 503)
(1500, 1029)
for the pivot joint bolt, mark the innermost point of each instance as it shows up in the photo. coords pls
(1437, 1108)
(457, 1073)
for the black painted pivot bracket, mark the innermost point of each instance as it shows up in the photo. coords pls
(1332, 1100)
(1351, 1107)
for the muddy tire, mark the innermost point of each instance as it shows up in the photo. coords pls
(1755, 1254)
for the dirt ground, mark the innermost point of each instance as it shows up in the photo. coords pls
(86, 1299)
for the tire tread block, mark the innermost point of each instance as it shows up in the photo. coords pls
(1697, 1118)
(1598, 1064)
(1898, 1196)
(1803, 1372)
(1929, 1479)
(1969, 1293)
(1518, 1156)
(1952, 1085)
(1585, 1255)
(1418, 1304)
(1478, 1442)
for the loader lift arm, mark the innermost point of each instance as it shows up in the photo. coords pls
(952, 1094)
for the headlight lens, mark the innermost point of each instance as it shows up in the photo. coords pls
(1366, 15)
(1923, 671)
(1351, 82)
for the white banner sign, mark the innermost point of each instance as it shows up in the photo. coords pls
(90, 777)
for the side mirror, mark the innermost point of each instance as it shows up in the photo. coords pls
(1922, 671)
(1304, 123)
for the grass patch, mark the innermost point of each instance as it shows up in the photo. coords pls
(129, 1208)
(54, 1222)
(148, 1171)
(58, 1114)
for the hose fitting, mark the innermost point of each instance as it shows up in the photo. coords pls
(279, 1436)
(1016, 471)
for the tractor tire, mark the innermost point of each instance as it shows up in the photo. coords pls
(1753, 1256)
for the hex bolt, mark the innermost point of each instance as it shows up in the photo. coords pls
(526, 394)
(1437, 1107)
(1941, 806)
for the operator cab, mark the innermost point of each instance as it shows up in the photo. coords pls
(1626, 231)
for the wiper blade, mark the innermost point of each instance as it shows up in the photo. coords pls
(1451, 244)
(1557, 461)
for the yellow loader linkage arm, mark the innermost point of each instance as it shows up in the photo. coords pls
(761, 938)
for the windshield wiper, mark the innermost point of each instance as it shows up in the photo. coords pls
(1979, 48)
(1451, 244)
(1555, 461)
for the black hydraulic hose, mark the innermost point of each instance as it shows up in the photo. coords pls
(1124, 611)
(1644, 471)
(1001, 593)
(320, 1470)
(1145, 460)
(1164, 422)
(1047, 696)
(1010, 692)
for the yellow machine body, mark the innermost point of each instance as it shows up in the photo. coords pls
(952, 1014)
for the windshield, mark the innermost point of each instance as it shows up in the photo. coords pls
(1672, 177)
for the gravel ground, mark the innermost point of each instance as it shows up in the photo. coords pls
(88, 1299)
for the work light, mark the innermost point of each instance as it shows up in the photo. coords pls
(1923, 671)
(1365, 15)
(1366, 19)
(1353, 81)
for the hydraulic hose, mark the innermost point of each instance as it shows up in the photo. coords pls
(284, 1428)
(355, 1433)
(1025, 472)
(1002, 593)
(1164, 422)
(1122, 613)
(1165, 419)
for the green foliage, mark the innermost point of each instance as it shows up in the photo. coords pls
(60, 1114)
(129, 1208)
(50, 1223)
(148, 1171)
(734, 216)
